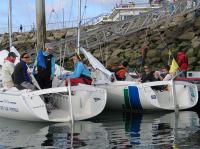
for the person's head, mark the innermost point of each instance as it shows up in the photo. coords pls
(12, 56)
(165, 68)
(48, 48)
(146, 69)
(125, 63)
(8, 48)
(25, 57)
(76, 58)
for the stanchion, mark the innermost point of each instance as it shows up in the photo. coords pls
(70, 101)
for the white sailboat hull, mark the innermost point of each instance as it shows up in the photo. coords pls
(129, 95)
(87, 102)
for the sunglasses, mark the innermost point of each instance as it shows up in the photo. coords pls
(26, 57)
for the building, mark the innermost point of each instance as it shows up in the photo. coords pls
(124, 11)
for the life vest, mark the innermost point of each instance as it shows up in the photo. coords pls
(120, 73)
(46, 72)
(182, 61)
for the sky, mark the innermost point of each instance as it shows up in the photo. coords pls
(23, 12)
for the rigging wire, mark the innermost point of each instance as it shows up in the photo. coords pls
(84, 10)
(66, 47)
(53, 11)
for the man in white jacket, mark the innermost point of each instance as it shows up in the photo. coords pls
(7, 70)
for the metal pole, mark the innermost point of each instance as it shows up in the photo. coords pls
(79, 25)
(70, 101)
(176, 107)
(63, 18)
(41, 23)
(10, 22)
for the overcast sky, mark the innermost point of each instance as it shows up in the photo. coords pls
(24, 11)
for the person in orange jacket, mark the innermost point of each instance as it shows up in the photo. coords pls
(121, 70)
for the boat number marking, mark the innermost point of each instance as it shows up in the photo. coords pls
(7, 101)
(192, 93)
(10, 109)
(153, 96)
(96, 99)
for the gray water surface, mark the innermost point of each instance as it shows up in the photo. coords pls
(112, 130)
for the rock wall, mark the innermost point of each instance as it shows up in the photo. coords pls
(181, 33)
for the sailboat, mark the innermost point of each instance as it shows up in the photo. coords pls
(134, 96)
(85, 102)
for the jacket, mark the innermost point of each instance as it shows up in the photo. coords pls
(42, 63)
(20, 73)
(182, 61)
(120, 73)
(7, 70)
(79, 69)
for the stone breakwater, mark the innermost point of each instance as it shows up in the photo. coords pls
(179, 33)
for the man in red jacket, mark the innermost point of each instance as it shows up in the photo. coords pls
(182, 63)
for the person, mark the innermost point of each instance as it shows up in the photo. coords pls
(7, 70)
(182, 62)
(121, 70)
(111, 67)
(8, 48)
(45, 66)
(148, 75)
(21, 76)
(21, 28)
(160, 75)
(81, 73)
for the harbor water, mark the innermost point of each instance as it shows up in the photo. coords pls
(109, 130)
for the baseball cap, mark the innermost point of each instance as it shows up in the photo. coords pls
(12, 54)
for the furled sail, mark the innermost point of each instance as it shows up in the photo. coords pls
(101, 73)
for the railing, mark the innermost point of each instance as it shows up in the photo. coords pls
(102, 34)
(106, 33)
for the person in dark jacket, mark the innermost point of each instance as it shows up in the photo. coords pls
(20, 76)
(45, 66)
(148, 75)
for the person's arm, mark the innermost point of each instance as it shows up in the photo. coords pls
(168, 77)
(10, 69)
(53, 63)
(17, 71)
(78, 70)
(63, 76)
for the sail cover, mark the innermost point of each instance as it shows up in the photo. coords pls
(97, 65)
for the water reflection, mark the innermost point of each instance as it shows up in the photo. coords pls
(21, 134)
(112, 130)
(82, 134)
(152, 130)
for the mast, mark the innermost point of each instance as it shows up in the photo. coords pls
(41, 23)
(63, 17)
(79, 24)
(10, 22)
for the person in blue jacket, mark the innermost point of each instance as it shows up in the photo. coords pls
(45, 66)
(81, 73)
(21, 76)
